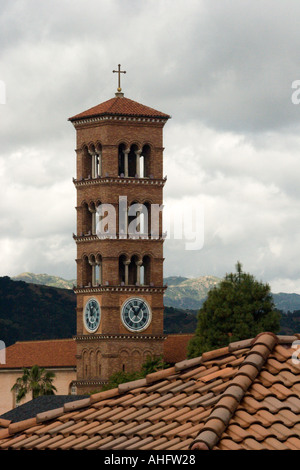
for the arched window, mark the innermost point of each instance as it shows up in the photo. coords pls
(146, 265)
(93, 365)
(145, 161)
(86, 220)
(86, 365)
(86, 170)
(96, 269)
(121, 157)
(123, 270)
(92, 218)
(97, 162)
(123, 360)
(135, 360)
(98, 361)
(86, 272)
(134, 271)
(133, 158)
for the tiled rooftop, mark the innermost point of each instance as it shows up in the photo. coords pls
(176, 346)
(244, 396)
(47, 353)
(120, 106)
(62, 352)
(43, 403)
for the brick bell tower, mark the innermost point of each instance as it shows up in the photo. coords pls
(119, 185)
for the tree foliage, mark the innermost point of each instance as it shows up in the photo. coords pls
(149, 366)
(240, 307)
(36, 380)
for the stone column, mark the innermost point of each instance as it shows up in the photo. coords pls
(92, 154)
(138, 271)
(138, 170)
(93, 212)
(93, 272)
(126, 264)
(99, 166)
(126, 152)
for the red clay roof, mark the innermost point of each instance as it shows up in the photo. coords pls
(175, 347)
(244, 396)
(120, 106)
(48, 353)
(61, 352)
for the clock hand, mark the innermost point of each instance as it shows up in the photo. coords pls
(140, 308)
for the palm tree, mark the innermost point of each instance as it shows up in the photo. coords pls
(36, 380)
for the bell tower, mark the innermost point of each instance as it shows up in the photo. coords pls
(119, 185)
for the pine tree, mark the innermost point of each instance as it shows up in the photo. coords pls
(240, 307)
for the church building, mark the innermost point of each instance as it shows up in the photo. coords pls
(119, 185)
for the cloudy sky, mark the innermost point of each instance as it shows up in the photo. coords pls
(223, 69)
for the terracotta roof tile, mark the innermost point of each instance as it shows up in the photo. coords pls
(252, 444)
(48, 353)
(4, 423)
(245, 396)
(292, 443)
(142, 414)
(119, 106)
(229, 444)
(62, 353)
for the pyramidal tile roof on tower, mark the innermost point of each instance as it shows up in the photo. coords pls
(120, 106)
(244, 396)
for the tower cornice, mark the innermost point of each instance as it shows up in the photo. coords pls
(120, 337)
(119, 180)
(95, 238)
(118, 289)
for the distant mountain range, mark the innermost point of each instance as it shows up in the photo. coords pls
(31, 310)
(190, 294)
(182, 293)
(45, 280)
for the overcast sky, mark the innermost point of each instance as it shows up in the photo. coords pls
(222, 69)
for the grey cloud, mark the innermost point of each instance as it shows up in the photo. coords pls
(222, 69)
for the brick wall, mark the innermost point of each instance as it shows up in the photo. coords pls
(114, 347)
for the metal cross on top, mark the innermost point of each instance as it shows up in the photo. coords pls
(119, 71)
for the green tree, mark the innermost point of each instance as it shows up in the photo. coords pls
(149, 366)
(240, 307)
(153, 365)
(36, 380)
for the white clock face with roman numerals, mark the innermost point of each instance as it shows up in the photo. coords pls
(92, 315)
(136, 314)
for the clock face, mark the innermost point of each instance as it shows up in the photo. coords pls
(92, 315)
(136, 314)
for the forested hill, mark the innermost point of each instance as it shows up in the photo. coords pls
(182, 292)
(190, 293)
(31, 311)
(35, 312)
